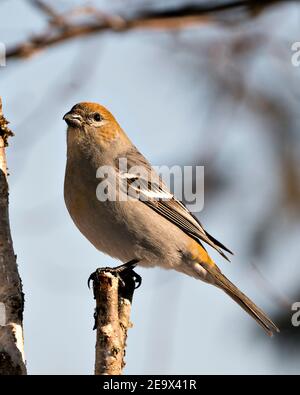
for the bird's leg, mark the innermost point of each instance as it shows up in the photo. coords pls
(123, 272)
(126, 270)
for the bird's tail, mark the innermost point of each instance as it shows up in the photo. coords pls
(254, 311)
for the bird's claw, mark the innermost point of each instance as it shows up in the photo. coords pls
(121, 272)
(126, 270)
(137, 279)
(95, 275)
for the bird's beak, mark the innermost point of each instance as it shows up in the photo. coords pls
(72, 119)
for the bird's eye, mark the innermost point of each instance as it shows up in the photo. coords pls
(97, 117)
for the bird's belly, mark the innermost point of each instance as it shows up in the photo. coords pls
(127, 230)
(98, 224)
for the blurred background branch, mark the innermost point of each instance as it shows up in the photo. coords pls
(61, 28)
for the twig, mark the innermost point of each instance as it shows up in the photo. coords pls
(12, 360)
(61, 29)
(113, 292)
(54, 17)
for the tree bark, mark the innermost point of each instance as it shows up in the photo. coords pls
(12, 360)
(113, 292)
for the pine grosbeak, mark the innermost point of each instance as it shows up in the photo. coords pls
(151, 226)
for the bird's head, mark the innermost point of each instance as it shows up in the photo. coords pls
(91, 121)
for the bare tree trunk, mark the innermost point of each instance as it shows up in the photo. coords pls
(113, 292)
(12, 360)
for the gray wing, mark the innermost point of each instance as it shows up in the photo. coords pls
(154, 193)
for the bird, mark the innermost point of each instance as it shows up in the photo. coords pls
(131, 215)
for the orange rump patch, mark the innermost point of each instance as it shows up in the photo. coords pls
(199, 254)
